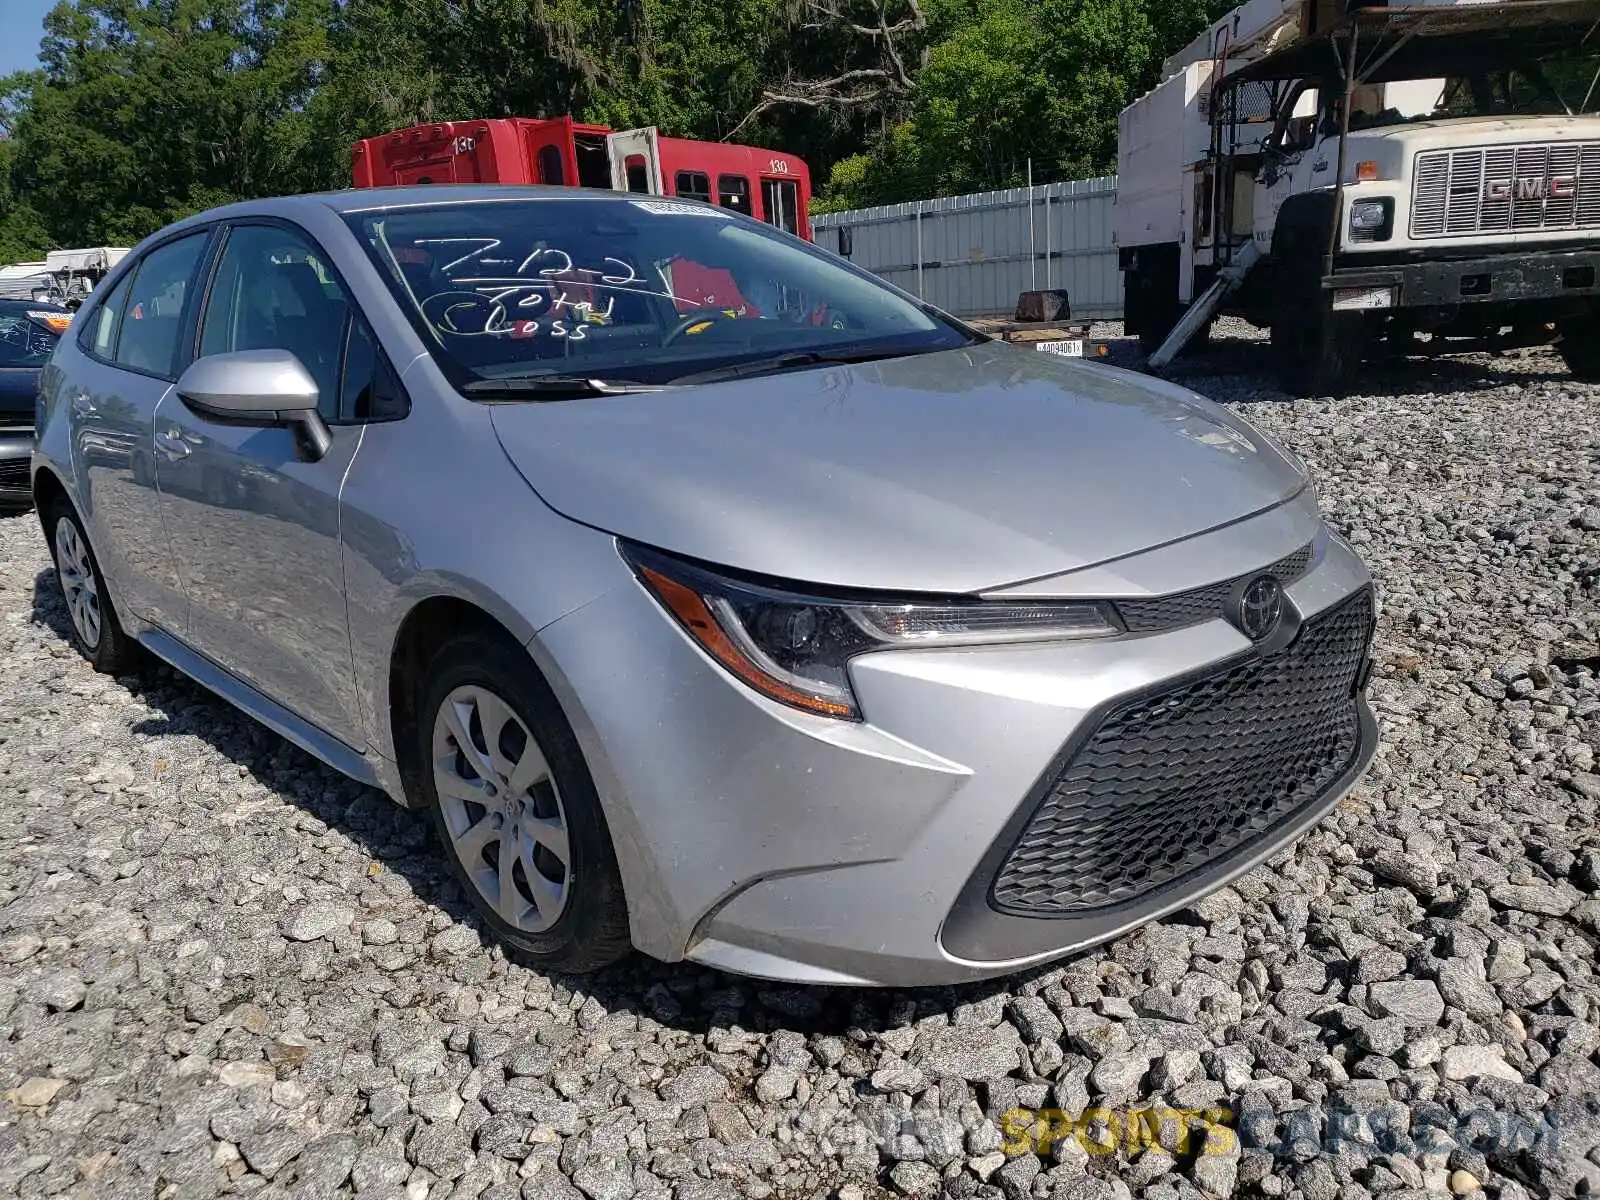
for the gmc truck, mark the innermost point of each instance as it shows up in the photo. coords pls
(1370, 180)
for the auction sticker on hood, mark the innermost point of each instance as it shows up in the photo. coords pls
(677, 208)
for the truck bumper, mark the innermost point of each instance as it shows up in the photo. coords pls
(1447, 282)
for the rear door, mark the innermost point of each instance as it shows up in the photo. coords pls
(255, 527)
(636, 161)
(129, 344)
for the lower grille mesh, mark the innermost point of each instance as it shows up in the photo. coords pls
(14, 473)
(1169, 783)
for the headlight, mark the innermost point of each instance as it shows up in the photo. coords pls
(796, 647)
(1370, 220)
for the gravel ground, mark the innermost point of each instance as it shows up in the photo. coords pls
(225, 970)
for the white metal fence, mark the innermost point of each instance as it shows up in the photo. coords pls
(972, 255)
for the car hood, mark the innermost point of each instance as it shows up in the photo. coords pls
(958, 471)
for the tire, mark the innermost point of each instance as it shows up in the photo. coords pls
(479, 685)
(1159, 309)
(1579, 347)
(1317, 351)
(96, 631)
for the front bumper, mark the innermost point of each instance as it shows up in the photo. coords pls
(1439, 281)
(16, 452)
(764, 841)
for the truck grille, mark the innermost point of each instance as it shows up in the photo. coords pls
(1506, 189)
(1171, 782)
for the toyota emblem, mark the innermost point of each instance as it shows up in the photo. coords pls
(1260, 607)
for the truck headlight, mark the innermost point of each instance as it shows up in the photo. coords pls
(1371, 220)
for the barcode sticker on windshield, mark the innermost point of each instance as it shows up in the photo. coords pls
(677, 208)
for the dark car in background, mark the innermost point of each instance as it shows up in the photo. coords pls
(28, 333)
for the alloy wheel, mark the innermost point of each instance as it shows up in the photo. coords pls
(77, 582)
(501, 808)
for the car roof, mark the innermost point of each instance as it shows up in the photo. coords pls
(367, 199)
(354, 200)
(13, 306)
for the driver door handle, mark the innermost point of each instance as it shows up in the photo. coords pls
(171, 443)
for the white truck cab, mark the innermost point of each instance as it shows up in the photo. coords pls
(1446, 186)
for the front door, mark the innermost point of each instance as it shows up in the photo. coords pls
(255, 528)
(636, 161)
(130, 348)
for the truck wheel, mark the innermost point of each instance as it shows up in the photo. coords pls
(1317, 350)
(1579, 347)
(1162, 310)
(1158, 308)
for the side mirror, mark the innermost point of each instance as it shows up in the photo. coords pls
(258, 387)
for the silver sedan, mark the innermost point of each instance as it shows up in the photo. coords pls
(712, 597)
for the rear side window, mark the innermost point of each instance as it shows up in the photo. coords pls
(733, 191)
(23, 341)
(99, 336)
(152, 326)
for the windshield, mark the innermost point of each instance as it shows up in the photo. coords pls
(24, 341)
(643, 290)
(1563, 86)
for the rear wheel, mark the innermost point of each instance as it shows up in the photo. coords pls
(516, 807)
(1158, 308)
(96, 632)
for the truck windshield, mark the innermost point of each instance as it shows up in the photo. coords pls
(1563, 87)
(642, 289)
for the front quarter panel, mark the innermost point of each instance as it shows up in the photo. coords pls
(432, 507)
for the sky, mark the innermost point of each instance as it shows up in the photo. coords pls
(23, 24)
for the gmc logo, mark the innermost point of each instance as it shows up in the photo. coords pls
(1553, 187)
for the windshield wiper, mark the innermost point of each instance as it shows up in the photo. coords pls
(555, 386)
(795, 358)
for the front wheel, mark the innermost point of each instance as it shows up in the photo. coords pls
(516, 807)
(1317, 350)
(1579, 347)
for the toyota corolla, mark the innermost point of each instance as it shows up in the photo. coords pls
(712, 597)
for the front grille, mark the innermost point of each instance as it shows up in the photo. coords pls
(13, 473)
(1202, 603)
(1170, 782)
(1506, 189)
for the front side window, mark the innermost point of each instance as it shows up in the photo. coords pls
(274, 291)
(645, 290)
(23, 341)
(152, 322)
(693, 185)
(550, 171)
(368, 388)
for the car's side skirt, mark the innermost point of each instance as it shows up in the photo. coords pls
(254, 704)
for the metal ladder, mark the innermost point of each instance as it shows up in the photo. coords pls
(1204, 308)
